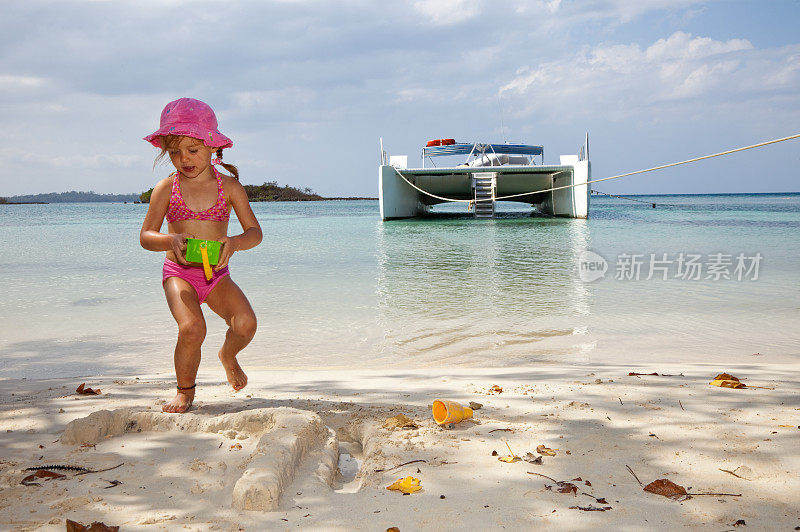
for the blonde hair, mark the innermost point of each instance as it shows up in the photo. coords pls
(171, 141)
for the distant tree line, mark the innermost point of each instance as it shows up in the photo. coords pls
(70, 197)
(269, 191)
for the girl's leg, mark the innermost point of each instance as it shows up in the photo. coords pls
(228, 300)
(185, 307)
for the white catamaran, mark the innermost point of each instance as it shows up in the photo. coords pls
(491, 172)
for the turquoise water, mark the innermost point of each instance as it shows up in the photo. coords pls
(333, 286)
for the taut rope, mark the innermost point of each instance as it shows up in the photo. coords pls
(661, 167)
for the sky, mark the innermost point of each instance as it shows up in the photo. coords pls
(306, 88)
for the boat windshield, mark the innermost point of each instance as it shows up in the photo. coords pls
(476, 150)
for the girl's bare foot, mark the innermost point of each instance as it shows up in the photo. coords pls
(234, 372)
(181, 403)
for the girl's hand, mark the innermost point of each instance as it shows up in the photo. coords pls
(228, 247)
(179, 246)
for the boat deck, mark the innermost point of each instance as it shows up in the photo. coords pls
(503, 169)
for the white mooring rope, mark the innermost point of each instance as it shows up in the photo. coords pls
(760, 144)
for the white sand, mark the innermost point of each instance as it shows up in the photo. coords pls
(181, 472)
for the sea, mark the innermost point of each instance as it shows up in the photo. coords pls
(696, 279)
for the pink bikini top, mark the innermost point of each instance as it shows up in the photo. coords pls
(178, 210)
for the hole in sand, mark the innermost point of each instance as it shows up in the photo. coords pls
(350, 460)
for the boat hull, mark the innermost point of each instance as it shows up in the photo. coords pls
(531, 184)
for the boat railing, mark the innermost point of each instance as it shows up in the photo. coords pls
(583, 153)
(384, 157)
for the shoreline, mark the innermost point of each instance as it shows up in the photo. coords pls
(598, 420)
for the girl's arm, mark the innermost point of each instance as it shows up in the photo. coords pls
(150, 237)
(251, 235)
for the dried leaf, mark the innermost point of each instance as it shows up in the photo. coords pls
(236, 447)
(400, 421)
(564, 487)
(405, 485)
(509, 459)
(392, 529)
(43, 474)
(73, 526)
(494, 453)
(475, 406)
(532, 459)
(740, 522)
(591, 508)
(725, 377)
(634, 374)
(547, 451)
(87, 391)
(495, 389)
(728, 383)
(667, 488)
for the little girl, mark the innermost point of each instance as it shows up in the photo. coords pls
(196, 201)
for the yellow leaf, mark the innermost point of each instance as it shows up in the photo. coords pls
(406, 485)
(509, 459)
(547, 451)
(727, 383)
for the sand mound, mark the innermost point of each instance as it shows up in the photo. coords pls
(287, 439)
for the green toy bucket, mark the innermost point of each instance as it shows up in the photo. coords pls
(194, 248)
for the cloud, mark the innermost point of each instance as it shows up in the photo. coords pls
(447, 12)
(619, 80)
(21, 82)
(82, 78)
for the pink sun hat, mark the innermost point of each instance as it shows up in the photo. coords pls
(190, 118)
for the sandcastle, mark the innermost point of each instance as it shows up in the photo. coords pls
(286, 437)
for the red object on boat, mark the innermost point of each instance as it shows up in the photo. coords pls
(440, 142)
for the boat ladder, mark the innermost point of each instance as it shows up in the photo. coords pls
(484, 186)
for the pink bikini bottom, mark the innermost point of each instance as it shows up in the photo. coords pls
(194, 276)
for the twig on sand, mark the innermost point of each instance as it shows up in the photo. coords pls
(634, 474)
(600, 500)
(732, 473)
(505, 430)
(100, 470)
(400, 465)
(620, 401)
(717, 494)
(679, 402)
(545, 476)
